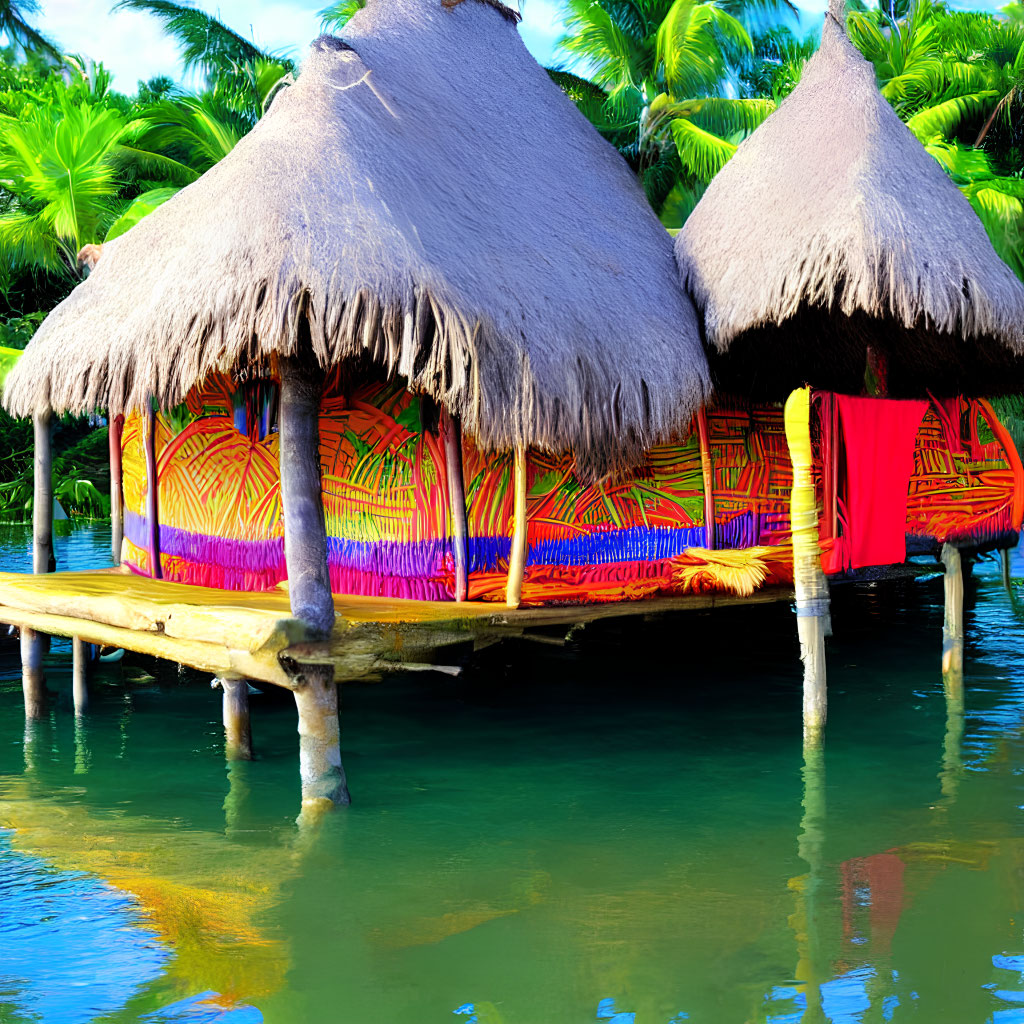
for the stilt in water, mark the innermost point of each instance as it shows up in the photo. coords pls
(33, 680)
(80, 666)
(237, 727)
(33, 643)
(517, 555)
(953, 624)
(323, 777)
(812, 603)
(1004, 554)
(309, 584)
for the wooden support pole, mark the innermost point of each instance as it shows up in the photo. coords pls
(808, 579)
(80, 657)
(237, 727)
(517, 556)
(707, 471)
(114, 430)
(323, 777)
(305, 534)
(953, 624)
(33, 643)
(152, 489)
(33, 680)
(451, 430)
(1007, 578)
(42, 495)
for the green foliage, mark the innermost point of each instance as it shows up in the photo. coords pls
(336, 16)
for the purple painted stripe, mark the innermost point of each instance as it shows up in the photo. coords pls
(242, 555)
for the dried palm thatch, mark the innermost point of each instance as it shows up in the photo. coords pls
(425, 194)
(832, 229)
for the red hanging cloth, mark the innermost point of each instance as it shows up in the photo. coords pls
(879, 435)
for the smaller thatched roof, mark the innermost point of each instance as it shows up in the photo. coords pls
(426, 195)
(832, 229)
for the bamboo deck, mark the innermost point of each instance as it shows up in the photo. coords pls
(252, 635)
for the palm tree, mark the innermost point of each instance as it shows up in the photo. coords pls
(665, 67)
(336, 16)
(207, 44)
(14, 24)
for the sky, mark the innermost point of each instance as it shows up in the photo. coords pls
(133, 47)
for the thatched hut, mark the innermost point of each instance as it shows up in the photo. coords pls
(833, 251)
(423, 207)
(831, 231)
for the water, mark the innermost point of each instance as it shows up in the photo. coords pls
(623, 827)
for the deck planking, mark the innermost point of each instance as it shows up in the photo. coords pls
(252, 635)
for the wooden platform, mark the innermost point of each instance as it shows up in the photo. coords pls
(252, 635)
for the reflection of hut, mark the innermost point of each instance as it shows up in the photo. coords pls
(834, 251)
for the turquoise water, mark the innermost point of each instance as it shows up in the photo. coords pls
(623, 830)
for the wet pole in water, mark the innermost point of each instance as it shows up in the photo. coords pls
(953, 625)
(309, 585)
(33, 644)
(812, 611)
(80, 665)
(237, 725)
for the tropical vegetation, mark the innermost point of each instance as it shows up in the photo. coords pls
(675, 85)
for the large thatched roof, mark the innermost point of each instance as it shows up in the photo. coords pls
(832, 229)
(423, 193)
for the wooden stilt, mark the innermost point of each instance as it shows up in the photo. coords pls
(323, 777)
(34, 644)
(33, 681)
(1005, 560)
(305, 535)
(42, 495)
(152, 490)
(707, 471)
(809, 580)
(451, 430)
(953, 625)
(80, 665)
(517, 556)
(114, 429)
(237, 727)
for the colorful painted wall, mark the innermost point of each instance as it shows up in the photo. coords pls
(389, 524)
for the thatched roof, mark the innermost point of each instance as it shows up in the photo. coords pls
(831, 229)
(423, 193)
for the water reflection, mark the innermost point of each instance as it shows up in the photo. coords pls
(585, 844)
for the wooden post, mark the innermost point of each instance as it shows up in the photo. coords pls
(1007, 578)
(237, 727)
(953, 625)
(451, 430)
(152, 488)
(33, 681)
(42, 495)
(115, 427)
(80, 652)
(305, 535)
(809, 580)
(707, 471)
(33, 643)
(323, 777)
(517, 556)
